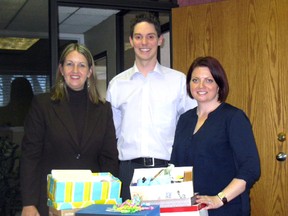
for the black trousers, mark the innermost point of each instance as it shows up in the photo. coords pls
(126, 174)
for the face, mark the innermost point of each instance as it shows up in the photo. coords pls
(145, 41)
(75, 70)
(203, 86)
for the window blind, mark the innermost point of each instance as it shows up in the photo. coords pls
(39, 83)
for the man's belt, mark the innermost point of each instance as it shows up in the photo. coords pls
(150, 162)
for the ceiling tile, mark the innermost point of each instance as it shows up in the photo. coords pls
(78, 19)
(74, 29)
(67, 10)
(8, 9)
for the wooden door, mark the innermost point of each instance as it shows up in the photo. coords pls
(250, 38)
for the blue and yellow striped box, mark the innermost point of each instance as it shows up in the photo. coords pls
(101, 186)
(105, 189)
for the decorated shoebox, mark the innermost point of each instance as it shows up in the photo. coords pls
(160, 184)
(68, 189)
(97, 210)
(182, 206)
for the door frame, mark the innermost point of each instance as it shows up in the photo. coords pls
(128, 5)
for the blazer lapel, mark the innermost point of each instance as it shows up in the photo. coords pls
(91, 119)
(63, 113)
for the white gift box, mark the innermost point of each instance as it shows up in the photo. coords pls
(177, 190)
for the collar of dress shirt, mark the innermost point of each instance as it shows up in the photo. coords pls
(157, 69)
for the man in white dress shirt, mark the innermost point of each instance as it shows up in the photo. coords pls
(146, 100)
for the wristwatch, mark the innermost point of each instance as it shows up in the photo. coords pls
(222, 197)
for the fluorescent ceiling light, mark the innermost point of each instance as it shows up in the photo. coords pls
(14, 43)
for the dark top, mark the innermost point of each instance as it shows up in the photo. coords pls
(53, 140)
(222, 149)
(78, 104)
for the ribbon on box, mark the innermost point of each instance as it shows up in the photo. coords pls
(129, 206)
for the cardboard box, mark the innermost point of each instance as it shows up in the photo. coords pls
(162, 191)
(96, 210)
(67, 186)
(194, 210)
(55, 212)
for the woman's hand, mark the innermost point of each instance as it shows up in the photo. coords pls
(30, 211)
(212, 202)
(234, 189)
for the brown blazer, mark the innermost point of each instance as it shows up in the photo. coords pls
(50, 142)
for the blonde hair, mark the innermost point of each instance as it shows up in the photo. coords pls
(59, 90)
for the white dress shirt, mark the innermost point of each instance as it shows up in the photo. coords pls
(146, 110)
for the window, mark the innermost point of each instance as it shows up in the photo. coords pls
(39, 83)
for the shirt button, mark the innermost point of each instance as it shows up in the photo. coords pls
(78, 156)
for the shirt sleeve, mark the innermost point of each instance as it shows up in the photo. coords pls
(109, 152)
(245, 150)
(186, 103)
(115, 110)
(32, 145)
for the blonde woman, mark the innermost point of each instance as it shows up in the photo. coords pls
(69, 128)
